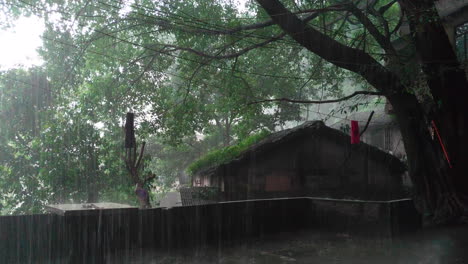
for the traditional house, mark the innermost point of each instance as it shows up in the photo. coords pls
(309, 160)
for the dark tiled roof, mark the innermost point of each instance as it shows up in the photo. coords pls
(312, 128)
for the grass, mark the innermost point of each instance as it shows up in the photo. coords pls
(226, 154)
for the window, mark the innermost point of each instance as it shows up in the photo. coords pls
(461, 38)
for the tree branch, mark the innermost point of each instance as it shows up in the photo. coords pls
(382, 20)
(383, 41)
(166, 24)
(149, 178)
(384, 8)
(206, 62)
(145, 69)
(258, 45)
(331, 50)
(337, 7)
(227, 56)
(318, 101)
(137, 165)
(367, 124)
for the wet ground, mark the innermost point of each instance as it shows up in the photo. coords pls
(430, 246)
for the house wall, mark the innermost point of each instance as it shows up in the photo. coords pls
(387, 138)
(312, 166)
(270, 174)
(347, 172)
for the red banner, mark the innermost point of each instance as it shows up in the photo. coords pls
(354, 132)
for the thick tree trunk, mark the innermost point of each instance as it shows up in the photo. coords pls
(133, 161)
(448, 86)
(434, 189)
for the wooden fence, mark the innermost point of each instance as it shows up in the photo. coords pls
(91, 237)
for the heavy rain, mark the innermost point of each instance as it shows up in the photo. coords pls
(233, 131)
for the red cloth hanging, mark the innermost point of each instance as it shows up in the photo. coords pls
(441, 143)
(355, 132)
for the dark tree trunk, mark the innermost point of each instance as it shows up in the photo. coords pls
(434, 190)
(227, 132)
(448, 86)
(133, 162)
(92, 176)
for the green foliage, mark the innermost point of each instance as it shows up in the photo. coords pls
(51, 150)
(226, 154)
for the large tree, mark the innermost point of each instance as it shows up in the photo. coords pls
(438, 177)
(439, 181)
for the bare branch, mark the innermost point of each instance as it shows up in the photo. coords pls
(318, 101)
(142, 150)
(384, 8)
(367, 124)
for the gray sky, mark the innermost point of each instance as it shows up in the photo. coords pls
(19, 44)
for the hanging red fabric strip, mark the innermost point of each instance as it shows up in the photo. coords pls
(355, 132)
(441, 143)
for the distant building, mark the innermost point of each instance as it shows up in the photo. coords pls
(308, 160)
(454, 15)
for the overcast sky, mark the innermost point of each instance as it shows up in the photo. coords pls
(18, 45)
